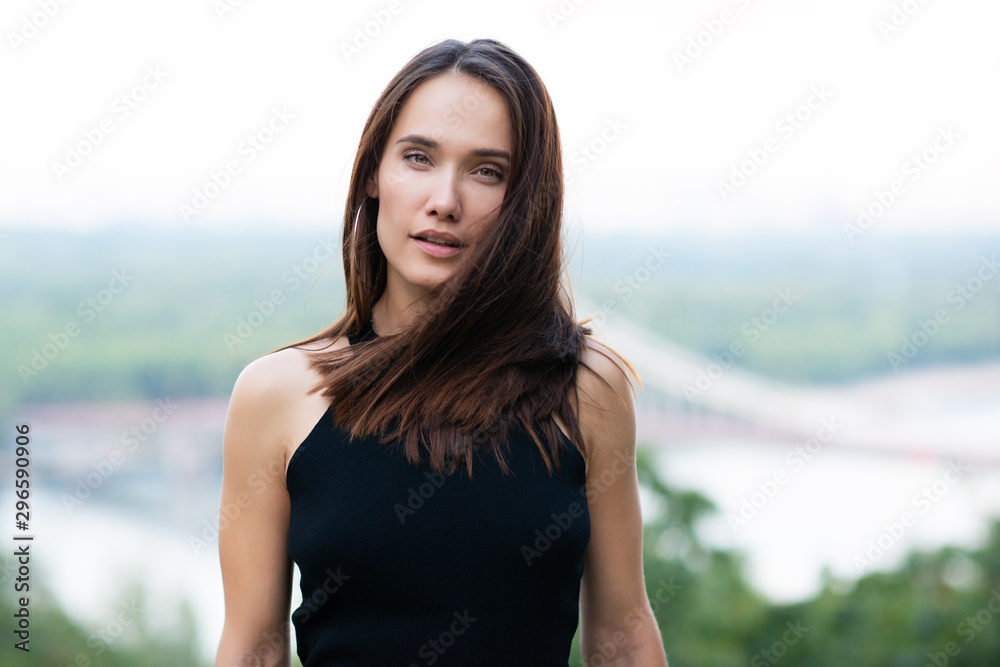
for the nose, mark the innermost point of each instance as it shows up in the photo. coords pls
(444, 201)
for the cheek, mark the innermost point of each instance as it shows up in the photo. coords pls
(389, 231)
(479, 229)
(385, 226)
(399, 204)
(487, 208)
(397, 186)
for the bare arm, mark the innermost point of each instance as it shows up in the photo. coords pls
(253, 530)
(618, 627)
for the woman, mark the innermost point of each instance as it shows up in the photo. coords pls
(456, 476)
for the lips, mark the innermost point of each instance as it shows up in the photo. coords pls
(444, 239)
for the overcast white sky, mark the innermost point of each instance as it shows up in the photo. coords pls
(680, 129)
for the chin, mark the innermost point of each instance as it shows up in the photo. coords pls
(430, 281)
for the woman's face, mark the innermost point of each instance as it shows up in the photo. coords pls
(443, 173)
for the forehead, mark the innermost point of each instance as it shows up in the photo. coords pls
(457, 110)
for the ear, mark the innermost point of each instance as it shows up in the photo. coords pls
(371, 186)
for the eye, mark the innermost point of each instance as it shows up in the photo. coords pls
(415, 156)
(491, 174)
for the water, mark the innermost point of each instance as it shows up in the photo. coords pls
(829, 510)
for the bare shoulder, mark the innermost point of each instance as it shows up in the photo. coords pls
(607, 407)
(602, 376)
(272, 378)
(271, 399)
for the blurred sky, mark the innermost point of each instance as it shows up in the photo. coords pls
(675, 130)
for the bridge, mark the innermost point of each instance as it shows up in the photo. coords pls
(686, 397)
(689, 396)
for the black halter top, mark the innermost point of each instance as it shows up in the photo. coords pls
(404, 566)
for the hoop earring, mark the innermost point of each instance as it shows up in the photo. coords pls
(354, 238)
(357, 216)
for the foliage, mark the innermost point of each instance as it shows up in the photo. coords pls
(905, 618)
(56, 639)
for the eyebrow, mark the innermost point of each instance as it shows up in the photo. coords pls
(430, 143)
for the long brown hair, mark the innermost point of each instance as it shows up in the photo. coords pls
(499, 343)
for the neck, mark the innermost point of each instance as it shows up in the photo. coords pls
(396, 311)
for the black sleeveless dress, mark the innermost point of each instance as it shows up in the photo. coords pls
(401, 566)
